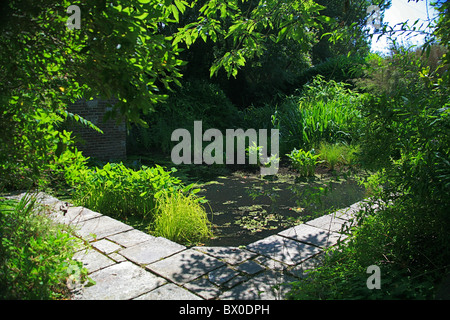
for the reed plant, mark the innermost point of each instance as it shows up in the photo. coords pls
(325, 111)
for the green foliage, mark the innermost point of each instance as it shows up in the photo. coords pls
(66, 168)
(128, 50)
(255, 151)
(195, 101)
(30, 142)
(340, 68)
(119, 191)
(181, 218)
(406, 137)
(346, 34)
(249, 25)
(304, 161)
(264, 79)
(45, 67)
(406, 249)
(35, 255)
(338, 154)
(325, 111)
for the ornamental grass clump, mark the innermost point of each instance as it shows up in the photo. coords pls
(181, 218)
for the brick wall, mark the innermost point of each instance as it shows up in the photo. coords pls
(111, 145)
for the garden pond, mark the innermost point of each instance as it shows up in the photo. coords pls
(244, 207)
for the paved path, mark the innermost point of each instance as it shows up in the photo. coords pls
(127, 263)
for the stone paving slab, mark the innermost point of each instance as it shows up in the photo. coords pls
(99, 228)
(121, 281)
(93, 260)
(169, 291)
(204, 288)
(249, 267)
(130, 238)
(270, 285)
(221, 275)
(328, 222)
(106, 247)
(230, 255)
(151, 250)
(185, 266)
(311, 235)
(75, 215)
(286, 250)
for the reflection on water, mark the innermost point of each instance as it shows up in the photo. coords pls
(246, 209)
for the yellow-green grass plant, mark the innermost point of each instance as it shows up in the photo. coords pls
(181, 218)
(337, 154)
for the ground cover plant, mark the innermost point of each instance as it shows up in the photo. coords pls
(304, 162)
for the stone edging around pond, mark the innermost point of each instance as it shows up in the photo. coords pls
(127, 263)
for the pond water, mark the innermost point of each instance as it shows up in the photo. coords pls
(245, 208)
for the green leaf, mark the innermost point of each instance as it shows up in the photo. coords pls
(142, 16)
(175, 13)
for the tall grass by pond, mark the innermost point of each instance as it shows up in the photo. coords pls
(338, 154)
(325, 111)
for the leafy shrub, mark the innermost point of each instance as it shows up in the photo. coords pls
(408, 253)
(28, 145)
(117, 190)
(328, 112)
(35, 254)
(338, 68)
(181, 218)
(304, 161)
(33, 144)
(152, 197)
(406, 138)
